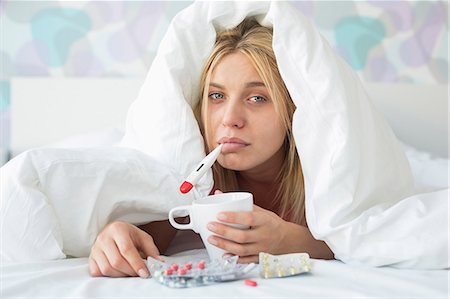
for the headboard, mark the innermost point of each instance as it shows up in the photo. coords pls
(418, 114)
(45, 110)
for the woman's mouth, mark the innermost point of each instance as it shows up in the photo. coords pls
(232, 144)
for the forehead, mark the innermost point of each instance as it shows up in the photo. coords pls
(235, 67)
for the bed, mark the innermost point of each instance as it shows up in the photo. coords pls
(418, 115)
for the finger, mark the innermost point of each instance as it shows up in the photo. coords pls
(105, 267)
(94, 270)
(234, 234)
(131, 254)
(116, 258)
(218, 192)
(254, 218)
(235, 248)
(146, 244)
(248, 259)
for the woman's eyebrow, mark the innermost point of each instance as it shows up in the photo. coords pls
(254, 84)
(247, 85)
(216, 85)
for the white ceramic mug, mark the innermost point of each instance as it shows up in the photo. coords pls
(206, 209)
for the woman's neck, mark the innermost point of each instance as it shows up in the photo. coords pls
(263, 194)
(262, 181)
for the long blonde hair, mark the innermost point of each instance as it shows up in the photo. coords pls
(255, 41)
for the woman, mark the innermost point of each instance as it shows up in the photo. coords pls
(246, 106)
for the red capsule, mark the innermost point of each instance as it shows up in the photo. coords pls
(168, 272)
(188, 266)
(174, 267)
(250, 282)
(182, 271)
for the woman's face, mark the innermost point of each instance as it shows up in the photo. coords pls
(242, 116)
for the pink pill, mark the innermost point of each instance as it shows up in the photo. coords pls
(168, 272)
(188, 266)
(182, 271)
(201, 265)
(174, 267)
(250, 282)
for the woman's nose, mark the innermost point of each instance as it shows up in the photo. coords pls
(233, 115)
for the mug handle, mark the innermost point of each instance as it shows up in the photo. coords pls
(178, 225)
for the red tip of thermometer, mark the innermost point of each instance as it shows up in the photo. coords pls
(200, 170)
(186, 187)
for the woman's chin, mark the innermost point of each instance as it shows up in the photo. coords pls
(232, 162)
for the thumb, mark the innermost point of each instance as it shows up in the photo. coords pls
(146, 245)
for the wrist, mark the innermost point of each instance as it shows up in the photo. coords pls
(286, 236)
(292, 238)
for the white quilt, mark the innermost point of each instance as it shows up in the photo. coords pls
(360, 195)
(55, 201)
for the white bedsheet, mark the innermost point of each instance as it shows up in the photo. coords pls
(328, 279)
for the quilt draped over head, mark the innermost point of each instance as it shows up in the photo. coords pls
(359, 188)
(359, 193)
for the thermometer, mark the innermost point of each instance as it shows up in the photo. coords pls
(200, 170)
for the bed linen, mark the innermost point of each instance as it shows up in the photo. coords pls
(69, 278)
(344, 280)
(54, 201)
(359, 189)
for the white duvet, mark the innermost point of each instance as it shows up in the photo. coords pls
(360, 195)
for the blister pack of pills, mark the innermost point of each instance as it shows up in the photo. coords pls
(271, 266)
(198, 273)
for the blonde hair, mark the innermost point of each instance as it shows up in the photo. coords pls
(255, 41)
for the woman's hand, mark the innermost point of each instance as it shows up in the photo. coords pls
(117, 251)
(266, 234)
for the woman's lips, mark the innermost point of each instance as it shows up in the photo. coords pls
(230, 147)
(232, 144)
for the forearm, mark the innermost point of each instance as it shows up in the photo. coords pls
(298, 238)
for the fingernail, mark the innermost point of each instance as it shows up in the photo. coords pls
(211, 226)
(142, 273)
(212, 241)
(222, 217)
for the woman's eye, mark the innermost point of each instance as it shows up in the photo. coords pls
(258, 99)
(216, 96)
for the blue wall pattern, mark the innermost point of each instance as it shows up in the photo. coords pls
(384, 41)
